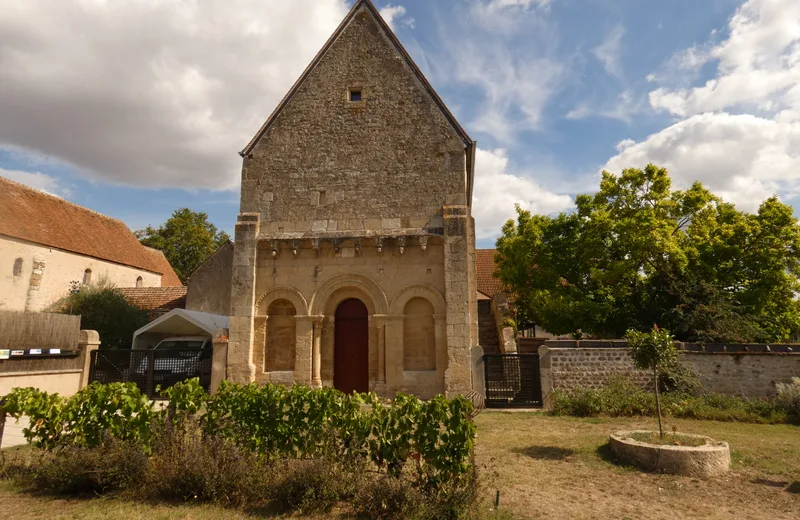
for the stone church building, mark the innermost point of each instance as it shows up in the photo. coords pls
(354, 257)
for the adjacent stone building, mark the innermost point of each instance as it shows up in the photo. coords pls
(354, 258)
(46, 243)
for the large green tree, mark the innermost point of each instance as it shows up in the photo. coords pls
(187, 240)
(638, 253)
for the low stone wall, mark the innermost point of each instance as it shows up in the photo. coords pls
(566, 365)
(64, 374)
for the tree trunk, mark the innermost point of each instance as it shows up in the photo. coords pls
(658, 403)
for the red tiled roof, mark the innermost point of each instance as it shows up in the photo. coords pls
(149, 298)
(34, 216)
(485, 266)
(169, 278)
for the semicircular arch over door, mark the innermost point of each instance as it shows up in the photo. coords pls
(351, 347)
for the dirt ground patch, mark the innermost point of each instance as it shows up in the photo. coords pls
(560, 468)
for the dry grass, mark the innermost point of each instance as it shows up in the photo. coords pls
(558, 467)
(553, 468)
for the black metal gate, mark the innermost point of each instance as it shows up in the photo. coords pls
(151, 369)
(512, 381)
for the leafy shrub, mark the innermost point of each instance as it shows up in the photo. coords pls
(224, 448)
(389, 499)
(103, 307)
(622, 398)
(110, 466)
(186, 466)
(86, 419)
(313, 485)
(789, 399)
(679, 378)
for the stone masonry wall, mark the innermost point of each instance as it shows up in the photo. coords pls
(750, 374)
(327, 164)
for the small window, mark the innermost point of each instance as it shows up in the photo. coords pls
(139, 281)
(87, 277)
(18, 267)
(355, 95)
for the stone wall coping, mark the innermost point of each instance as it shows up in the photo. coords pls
(41, 372)
(699, 353)
(743, 349)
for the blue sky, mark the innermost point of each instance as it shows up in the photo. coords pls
(137, 108)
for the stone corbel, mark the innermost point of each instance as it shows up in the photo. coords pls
(295, 246)
(274, 245)
(423, 243)
(401, 244)
(357, 243)
(379, 244)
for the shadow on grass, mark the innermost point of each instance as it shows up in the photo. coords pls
(545, 452)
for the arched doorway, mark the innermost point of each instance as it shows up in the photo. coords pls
(351, 347)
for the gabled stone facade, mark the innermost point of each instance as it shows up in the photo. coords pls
(358, 187)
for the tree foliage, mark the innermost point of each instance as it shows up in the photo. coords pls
(638, 252)
(102, 307)
(187, 239)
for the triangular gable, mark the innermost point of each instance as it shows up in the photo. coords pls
(469, 143)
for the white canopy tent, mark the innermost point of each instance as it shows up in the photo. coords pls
(178, 322)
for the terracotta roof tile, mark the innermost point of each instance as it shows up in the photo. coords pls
(149, 298)
(485, 267)
(169, 278)
(34, 216)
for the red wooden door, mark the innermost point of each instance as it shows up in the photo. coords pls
(351, 347)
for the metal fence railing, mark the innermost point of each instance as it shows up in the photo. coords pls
(512, 381)
(151, 369)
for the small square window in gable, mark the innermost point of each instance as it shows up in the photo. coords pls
(354, 95)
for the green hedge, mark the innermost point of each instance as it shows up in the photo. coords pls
(432, 439)
(622, 398)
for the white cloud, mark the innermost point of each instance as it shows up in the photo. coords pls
(497, 190)
(625, 144)
(510, 57)
(626, 105)
(757, 64)
(152, 93)
(742, 158)
(393, 14)
(37, 180)
(740, 134)
(518, 3)
(608, 52)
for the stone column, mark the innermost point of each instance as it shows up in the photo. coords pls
(219, 360)
(240, 344)
(304, 350)
(546, 375)
(378, 322)
(394, 352)
(88, 342)
(440, 334)
(458, 281)
(316, 361)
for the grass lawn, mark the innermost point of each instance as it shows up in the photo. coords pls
(558, 467)
(551, 467)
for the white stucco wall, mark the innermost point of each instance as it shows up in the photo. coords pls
(60, 268)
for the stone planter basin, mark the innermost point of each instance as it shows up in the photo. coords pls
(711, 459)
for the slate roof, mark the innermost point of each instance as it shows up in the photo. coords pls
(484, 267)
(38, 217)
(150, 298)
